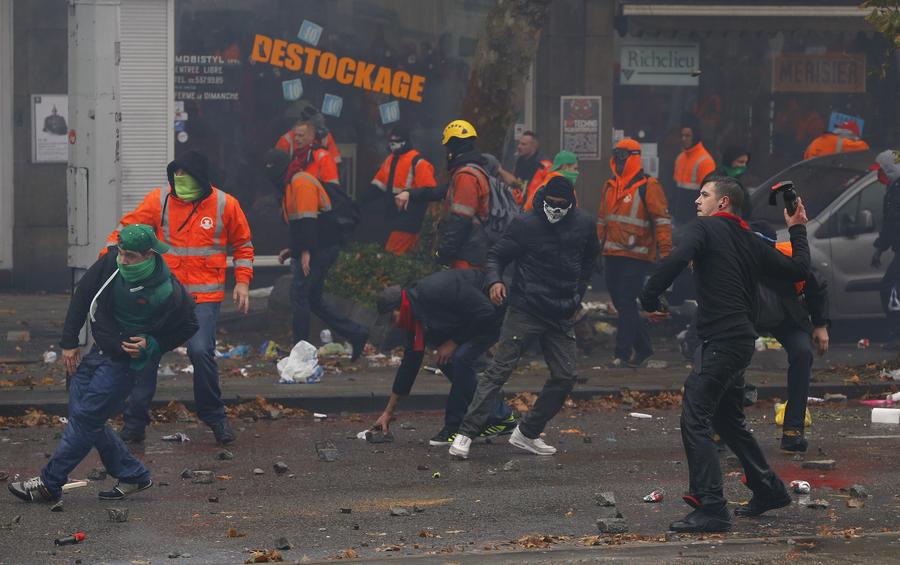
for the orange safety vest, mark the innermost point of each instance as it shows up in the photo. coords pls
(304, 197)
(623, 222)
(405, 176)
(539, 179)
(786, 248)
(691, 167)
(199, 238)
(322, 166)
(829, 143)
(286, 143)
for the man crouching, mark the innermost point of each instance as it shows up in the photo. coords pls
(138, 311)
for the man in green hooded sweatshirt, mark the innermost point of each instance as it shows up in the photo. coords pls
(138, 311)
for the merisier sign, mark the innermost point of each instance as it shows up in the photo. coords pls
(659, 63)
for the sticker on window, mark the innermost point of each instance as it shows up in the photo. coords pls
(292, 89)
(332, 105)
(310, 32)
(390, 112)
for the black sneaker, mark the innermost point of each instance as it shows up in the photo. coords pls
(758, 504)
(32, 490)
(223, 432)
(794, 443)
(503, 428)
(444, 437)
(121, 490)
(358, 345)
(131, 436)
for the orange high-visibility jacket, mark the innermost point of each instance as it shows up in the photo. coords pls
(286, 143)
(538, 180)
(200, 234)
(304, 199)
(405, 177)
(829, 143)
(691, 167)
(623, 220)
(787, 249)
(322, 166)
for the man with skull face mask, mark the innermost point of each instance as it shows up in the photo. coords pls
(633, 226)
(554, 247)
(404, 169)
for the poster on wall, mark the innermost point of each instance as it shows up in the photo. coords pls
(49, 128)
(580, 126)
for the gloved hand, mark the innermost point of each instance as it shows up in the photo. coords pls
(876, 259)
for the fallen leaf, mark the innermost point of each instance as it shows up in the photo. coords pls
(575, 431)
(233, 533)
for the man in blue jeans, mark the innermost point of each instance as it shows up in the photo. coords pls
(451, 311)
(138, 311)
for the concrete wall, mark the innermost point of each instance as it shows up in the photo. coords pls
(576, 57)
(40, 67)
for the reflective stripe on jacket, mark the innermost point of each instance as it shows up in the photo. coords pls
(304, 198)
(624, 222)
(691, 167)
(829, 143)
(201, 234)
(405, 176)
(322, 166)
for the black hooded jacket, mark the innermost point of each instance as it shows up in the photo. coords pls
(554, 262)
(195, 164)
(177, 324)
(462, 238)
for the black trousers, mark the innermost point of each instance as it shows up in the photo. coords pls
(624, 280)
(798, 346)
(713, 400)
(888, 282)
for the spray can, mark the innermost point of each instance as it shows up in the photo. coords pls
(77, 537)
(655, 496)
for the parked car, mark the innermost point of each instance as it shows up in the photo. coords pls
(843, 200)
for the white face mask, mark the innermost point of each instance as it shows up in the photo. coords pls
(396, 145)
(555, 214)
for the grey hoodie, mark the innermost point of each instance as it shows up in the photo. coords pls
(887, 160)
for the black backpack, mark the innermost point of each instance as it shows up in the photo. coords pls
(502, 205)
(345, 213)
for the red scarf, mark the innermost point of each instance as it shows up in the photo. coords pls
(733, 218)
(298, 163)
(407, 322)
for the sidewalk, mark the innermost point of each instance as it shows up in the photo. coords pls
(26, 382)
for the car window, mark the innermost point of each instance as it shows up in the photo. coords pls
(869, 200)
(817, 186)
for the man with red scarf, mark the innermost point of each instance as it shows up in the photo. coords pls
(449, 310)
(728, 261)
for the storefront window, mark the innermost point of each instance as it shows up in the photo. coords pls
(246, 71)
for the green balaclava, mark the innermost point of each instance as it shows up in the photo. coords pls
(139, 271)
(571, 175)
(187, 188)
(735, 172)
(140, 238)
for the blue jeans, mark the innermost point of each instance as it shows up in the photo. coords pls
(463, 382)
(201, 350)
(97, 392)
(307, 299)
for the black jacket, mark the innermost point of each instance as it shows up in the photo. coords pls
(554, 262)
(728, 262)
(889, 236)
(451, 305)
(177, 324)
(813, 306)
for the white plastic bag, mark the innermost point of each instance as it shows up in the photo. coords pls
(301, 366)
(894, 301)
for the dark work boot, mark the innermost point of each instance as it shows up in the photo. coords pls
(760, 504)
(702, 519)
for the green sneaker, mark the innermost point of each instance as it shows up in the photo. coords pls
(503, 428)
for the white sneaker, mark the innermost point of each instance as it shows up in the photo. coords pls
(460, 446)
(536, 446)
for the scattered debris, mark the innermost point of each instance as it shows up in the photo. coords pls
(835, 397)
(233, 533)
(863, 343)
(301, 366)
(261, 409)
(605, 499)
(818, 504)
(407, 426)
(57, 507)
(418, 509)
(14, 522)
(656, 364)
(859, 491)
(886, 415)
(283, 544)
(202, 477)
(179, 437)
(511, 465)
(319, 416)
(822, 465)
(641, 416)
(655, 496)
(346, 510)
(117, 514)
(855, 503)
(50, 357)
(377, 436)
(224, 455)
(258, 471)
(800, 487)
(326, 451)
(97, 475)
(280, 468)
(436, 475)
(399, 511)
(612, 525)
(422, 468)
(77, 537)
(213, 499)
(18, 336)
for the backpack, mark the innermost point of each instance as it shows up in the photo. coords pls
(502, 206)
(345, 213)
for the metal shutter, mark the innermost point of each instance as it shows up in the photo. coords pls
(146, 78)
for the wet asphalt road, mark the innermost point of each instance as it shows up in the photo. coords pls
(470, 514)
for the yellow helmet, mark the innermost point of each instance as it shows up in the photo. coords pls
(458, 128)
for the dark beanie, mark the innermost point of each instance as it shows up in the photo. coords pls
(276, 163)
(193, 163)
(389, 299)
(560, 187)
(732, 152)
(400, 132)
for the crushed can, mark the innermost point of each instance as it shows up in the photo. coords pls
(655, 496)
(863, 343)
(77, 537)
(800, 487)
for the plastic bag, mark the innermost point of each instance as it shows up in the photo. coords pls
(301, 366)
(779, 415)
(894, 301)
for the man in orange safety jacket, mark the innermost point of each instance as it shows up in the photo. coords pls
(634, 227)
(843, 138)
(315, 244)
(316, 160)
(404, 169)
(201, 224)
(691, 167)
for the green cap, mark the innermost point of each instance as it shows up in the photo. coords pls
(140, 237)
(563, 158)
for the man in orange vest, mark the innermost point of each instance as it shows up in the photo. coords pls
(531, 166)
(633, 227)
(288, 141)
(565, 164)
(315, 243)
(316, 160)
(200, 223)
(843, 138)
(404, 169)
(691, 167)
(463, 243)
